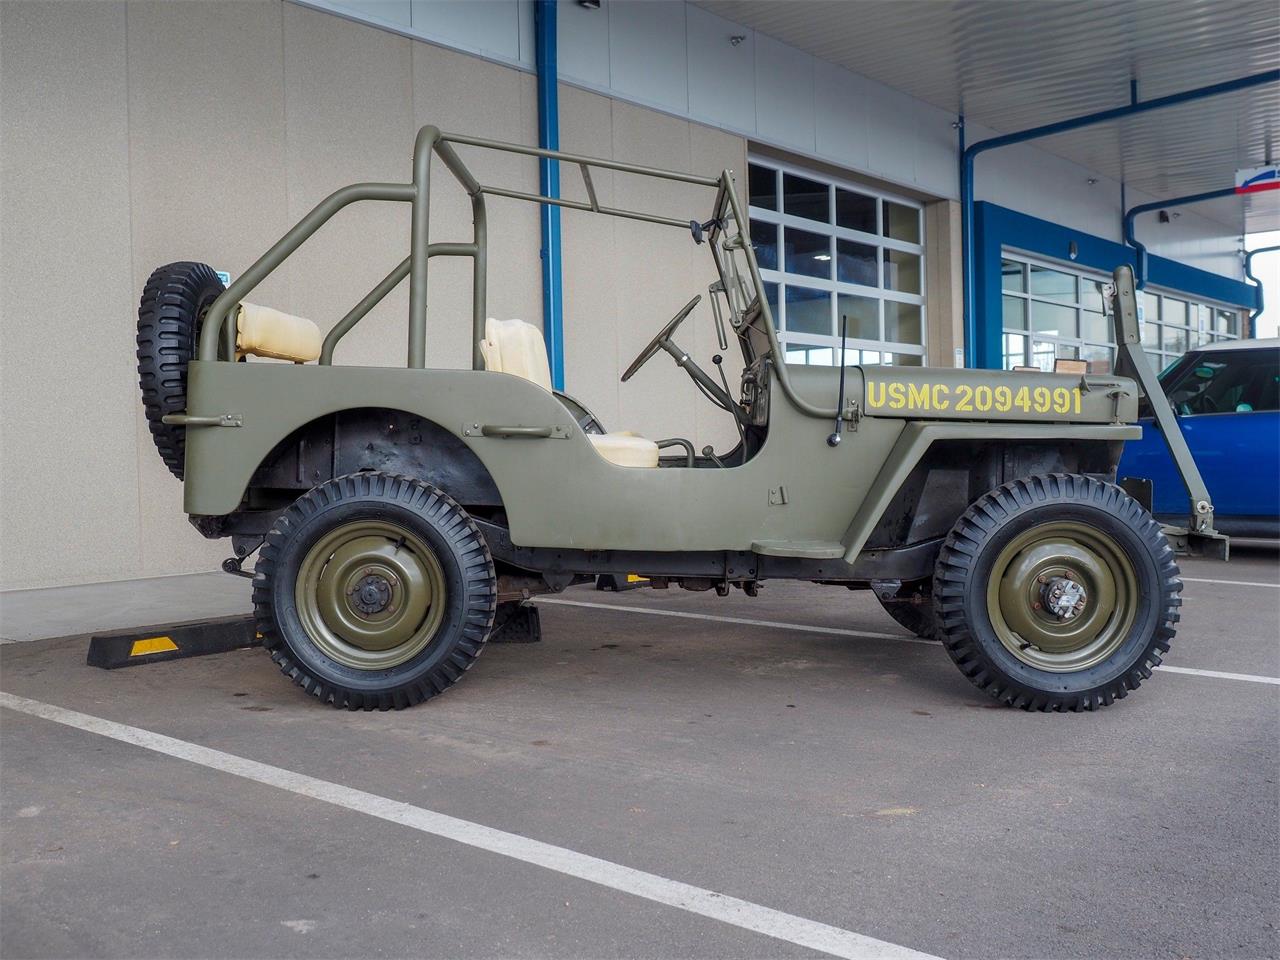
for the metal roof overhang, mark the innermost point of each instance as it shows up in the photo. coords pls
(1014, 66)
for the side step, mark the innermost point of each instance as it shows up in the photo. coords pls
(808, 549)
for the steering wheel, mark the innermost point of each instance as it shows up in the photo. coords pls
(665, 333)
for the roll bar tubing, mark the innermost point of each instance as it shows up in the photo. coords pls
(219, 336)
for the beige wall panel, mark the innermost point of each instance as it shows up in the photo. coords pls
(658, 271)
(592, 361)
(68, 476)
(207, 178)
(348, 118)
(461, 94)
(944, 292)
(203, 131)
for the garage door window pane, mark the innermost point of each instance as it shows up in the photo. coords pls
(1015, 350)
(802, 197)
(855, 211)
(1055, 320)
(808, 253)
(1013, 276)
(1150, 306)
(771, 296)
(808, 311)
(901, 271)
(763, 187)
(863, 314)
(901, 322)
(1150, 334)
(1052, 284)
(764, 237)
(1015, 313)
(1042, 355)
(1098, 358)
(1175, 311)
(901, 222)
(856, 263)
(1094, 326)
(1175, 339)
(1090, 295)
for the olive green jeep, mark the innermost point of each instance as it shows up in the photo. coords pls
(397, 511)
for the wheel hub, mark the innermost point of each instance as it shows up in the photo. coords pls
(1064, 597)
(372, 593)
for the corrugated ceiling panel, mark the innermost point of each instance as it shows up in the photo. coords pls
(1011, 66)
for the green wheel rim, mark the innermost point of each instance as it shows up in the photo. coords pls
(371, 594)
(1062, 596)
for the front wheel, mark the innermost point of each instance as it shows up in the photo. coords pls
(374, 591)
(1057, 593)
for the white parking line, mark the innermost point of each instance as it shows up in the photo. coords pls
(739, 913)
(1248, 677)
(1233, 583)
(837, 631)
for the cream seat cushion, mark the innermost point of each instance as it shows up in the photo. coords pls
(625, 450)
(516, 347)
(264, 332)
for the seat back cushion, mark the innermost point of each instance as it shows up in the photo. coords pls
(516, 347)
(264, 332)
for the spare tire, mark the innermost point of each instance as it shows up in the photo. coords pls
(173, 306)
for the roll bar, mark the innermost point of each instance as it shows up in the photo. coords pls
(218, 336)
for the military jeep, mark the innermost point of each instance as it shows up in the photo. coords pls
(397, 510)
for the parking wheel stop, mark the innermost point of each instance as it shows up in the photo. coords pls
(513, 623)
(171, 641)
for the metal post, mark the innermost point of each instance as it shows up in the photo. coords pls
(479, 276)
(418, 243)
(1132, 214)
(549, 186)
(970, 154)
(1259, 304)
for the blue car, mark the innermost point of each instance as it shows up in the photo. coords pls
(1227, 398)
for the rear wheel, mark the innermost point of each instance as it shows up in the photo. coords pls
(374, 591)
(1057, 593)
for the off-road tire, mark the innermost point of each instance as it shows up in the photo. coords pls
(170, 313)
(916, 613)
(960, 589)
(437, 521)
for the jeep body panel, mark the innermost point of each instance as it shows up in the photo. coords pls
(794, 493)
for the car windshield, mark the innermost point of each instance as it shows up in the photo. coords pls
(1238, 381)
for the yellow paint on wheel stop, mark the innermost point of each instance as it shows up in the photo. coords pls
(152, 645)
(635, 578)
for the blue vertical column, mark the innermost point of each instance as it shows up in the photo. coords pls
(544, 20)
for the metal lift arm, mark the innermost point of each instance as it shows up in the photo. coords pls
(1198, 537)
